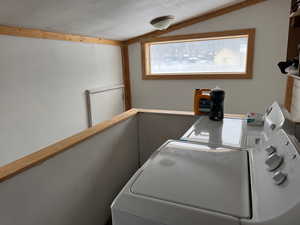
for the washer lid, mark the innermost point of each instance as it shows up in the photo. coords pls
(197, 176)
(228, 132)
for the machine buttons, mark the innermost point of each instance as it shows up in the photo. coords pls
(270, 150)
(279, 177)
(273, 126)
(274, 161)
(269, 110)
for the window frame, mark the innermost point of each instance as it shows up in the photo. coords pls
(250, 33)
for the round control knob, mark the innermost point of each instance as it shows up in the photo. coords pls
(273, 126)
(257, 140)
(270, 150)
(274, 161)
(279, 177)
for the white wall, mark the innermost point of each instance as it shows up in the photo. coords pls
(42, 84)
(270, 19)
(76, 186)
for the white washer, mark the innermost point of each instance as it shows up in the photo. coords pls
(195, 181)
(184, 183)
(275, 183)
(229, 132)
(234, 132)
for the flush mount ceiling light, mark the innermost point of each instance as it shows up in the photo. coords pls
(163, 22)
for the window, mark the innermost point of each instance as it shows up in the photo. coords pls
(218, 55)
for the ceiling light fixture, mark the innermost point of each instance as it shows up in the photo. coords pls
(163, 22)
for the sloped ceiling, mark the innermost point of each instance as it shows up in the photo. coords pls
(112, 19)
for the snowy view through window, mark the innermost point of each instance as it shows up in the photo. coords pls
(227, 55)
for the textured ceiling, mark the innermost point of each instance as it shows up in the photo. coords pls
(113, 19)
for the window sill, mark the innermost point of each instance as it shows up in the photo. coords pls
(197, 76)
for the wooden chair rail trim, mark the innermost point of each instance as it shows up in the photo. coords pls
(194, 20)
(185, 113)
(36, 33)
(35, 158)
(42, 155)
(169, 112)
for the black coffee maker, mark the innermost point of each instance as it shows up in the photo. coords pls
(217, 96)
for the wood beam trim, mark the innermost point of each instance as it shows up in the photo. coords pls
(194, 20)
(292, 51)
(36, 33)
(185, 113)
(42, 155)
(169, 112)
(289, 93)
(126, 77)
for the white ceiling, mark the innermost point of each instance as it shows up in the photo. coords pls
(113, 19)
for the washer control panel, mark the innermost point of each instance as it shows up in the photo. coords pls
(275, 178)
(280, 151)
(274, 161)
(279, 177)
(274, 119)
(270, 150)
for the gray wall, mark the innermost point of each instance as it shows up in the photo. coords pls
(270, 19)
(42, 84)
(155, 129)
(75, 187)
